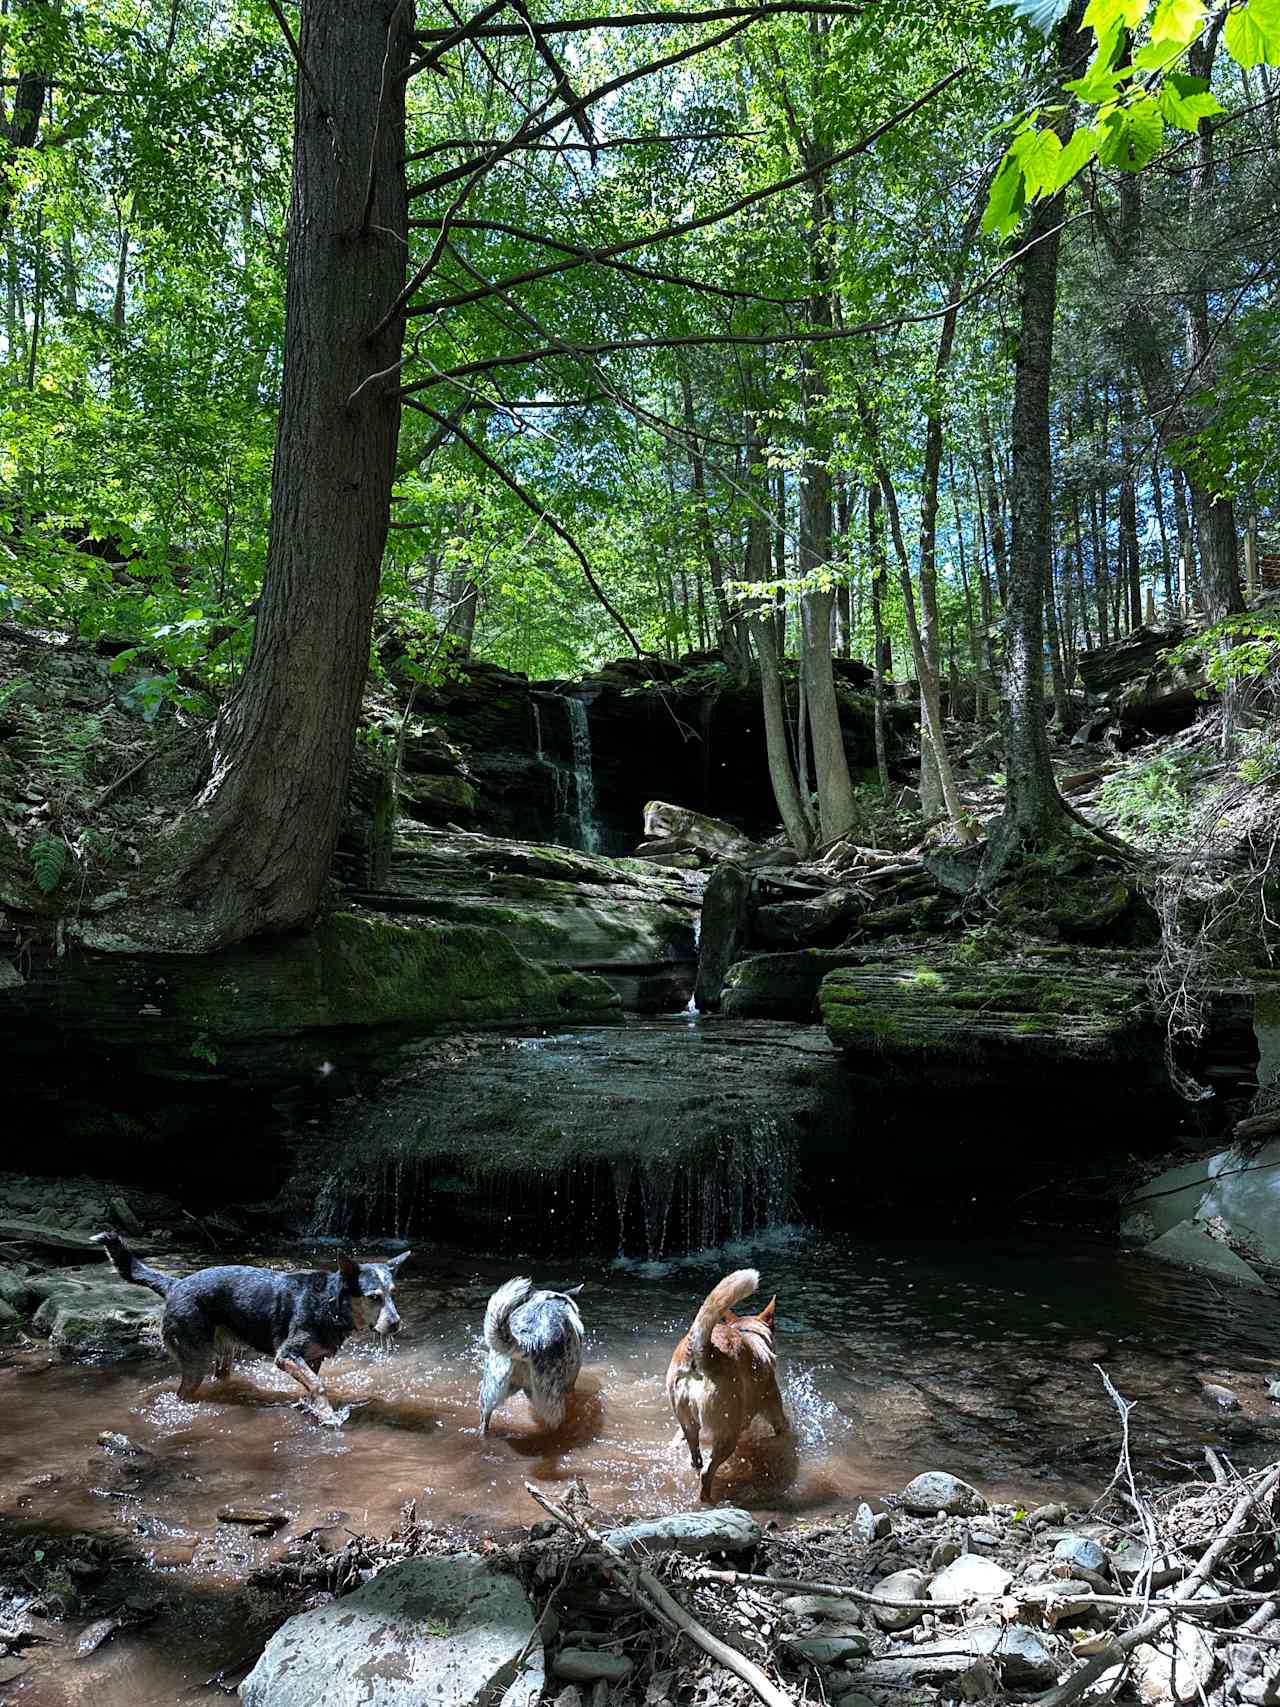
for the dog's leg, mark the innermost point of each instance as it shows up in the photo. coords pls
(290, 1360)
(691, 1434)
(224, 1356)
(720, 1451)
(189, 1381)
(774, 1414)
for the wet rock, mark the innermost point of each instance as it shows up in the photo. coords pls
(970, 1577)
(1020, 1655)
(828, 1650)
(693, 1533)
(89, 1312)
(663, 821)
(1172, 1196)
(1081, 1551)
(726, 908)
(939, 1491)
(821, 922)
(448, 1629)
(1188, 1245)
(586, 1665)
(1178, 1670)
(900, 1585)
(53, 1244)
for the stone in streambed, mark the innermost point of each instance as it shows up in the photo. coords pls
(970, 1577)
(1021, 1656)
(587, 1665)
(448, 1630)
(695, 1533)
(1177, 1670)
(828, 1650)
(1082, 1552)
(819, 1606)
(91, 1312)
(938, 1491)
(900, 1585)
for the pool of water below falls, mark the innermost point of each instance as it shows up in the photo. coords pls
(896, 1357)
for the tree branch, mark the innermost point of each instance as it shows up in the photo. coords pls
(630, 20)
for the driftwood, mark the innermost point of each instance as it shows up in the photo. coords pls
(1071, 1688)
(652, 1595)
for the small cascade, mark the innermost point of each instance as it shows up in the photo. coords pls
(657, 1187)
(621, 1170)
(583, 775)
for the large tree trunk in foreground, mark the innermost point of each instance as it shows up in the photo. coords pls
(263, 831)
(1034, 814)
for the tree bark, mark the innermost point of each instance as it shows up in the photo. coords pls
(1034, 813)
(875, 539)
(254, 854)
(782, 774)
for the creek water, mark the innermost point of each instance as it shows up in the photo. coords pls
(895, 1356)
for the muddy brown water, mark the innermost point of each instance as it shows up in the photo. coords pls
(896, 1357)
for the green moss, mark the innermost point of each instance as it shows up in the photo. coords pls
(924, 978)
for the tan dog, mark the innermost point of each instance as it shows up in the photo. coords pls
(722, 1374)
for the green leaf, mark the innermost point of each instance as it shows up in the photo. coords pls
(1102, 16)
(1008, 197)
(1079, 150)
(1156, 55)
(1131, 137)
(1040, 163)
(48, 856)
(1042, 15)
(1251, 34)
(1178, 21)
(1184, 100)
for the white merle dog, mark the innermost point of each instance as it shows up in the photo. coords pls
(535, 1348)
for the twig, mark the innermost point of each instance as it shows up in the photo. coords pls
(113, 788)
(654, 1598)
(1073, 1687)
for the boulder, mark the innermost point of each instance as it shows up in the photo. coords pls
(449, 1630)
(900, 1585)
(822, 921)
(91, 1313)
(1132, 1560)
(1243, 1189)
(1173, 1195)
(663, 821)
(819, 1606)
(15, 1289)
(828, 1650)
(52, 1244)
(781, 986)
(437, 799)
(970, 1577)
(1189, 1245)
(935, 1491)
(726, 912)
(693, 1533)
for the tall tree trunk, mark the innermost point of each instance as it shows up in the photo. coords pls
(730, 641)
(782, 776)
(254, 855)
(1034, 813)
(875, 542)
(20, 128)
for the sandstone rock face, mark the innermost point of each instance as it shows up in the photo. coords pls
(446, 1630)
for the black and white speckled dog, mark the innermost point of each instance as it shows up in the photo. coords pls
(535, 1348)
(296, 1319)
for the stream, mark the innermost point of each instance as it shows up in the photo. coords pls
(895, 1357)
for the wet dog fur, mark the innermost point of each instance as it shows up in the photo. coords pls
(296, 1319)
(722, 1374)
(534, 1341)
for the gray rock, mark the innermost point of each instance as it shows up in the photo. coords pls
(9, 1317)
(124, 1218)
(870, 1525)
(938, 1490)
(1223, 1397)
(1242, 1190)
(819, 1606)
(1045, 1514)
(1081, 1551)
(694, 1533)
(970, 1577)
(1070, 1596)
(15, 1289)
(1021, 1656)
(449, 1630)
(1244, 1659)
(1264, 1690)
(586, 1665)
(900, 1585)
(90, 1312)
(726, 913)
(1172, 1196)
(1189, 1246)
(1131, 1560)
(855, 1699)
(1175, 1671)
(54, 1244)
(828, 1650)
(944, 1552)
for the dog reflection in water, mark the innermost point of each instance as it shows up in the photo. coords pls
(723, 1373)
(534, 1341)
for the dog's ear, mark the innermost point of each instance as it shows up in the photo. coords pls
(766, 1315)
(395, 1262)
(348, 1268)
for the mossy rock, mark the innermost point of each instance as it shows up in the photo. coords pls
(436, 799)
(944, 1007)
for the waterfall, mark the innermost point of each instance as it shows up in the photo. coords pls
(583, 777)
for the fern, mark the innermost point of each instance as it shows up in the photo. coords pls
(59, 745)
(48, 856)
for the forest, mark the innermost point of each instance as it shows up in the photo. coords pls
(633, 642)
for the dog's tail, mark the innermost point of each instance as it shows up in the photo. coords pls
(129, 1268)
(731, 1290)
(497, 1315)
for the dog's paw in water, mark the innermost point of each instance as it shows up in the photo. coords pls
(323, 1412)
